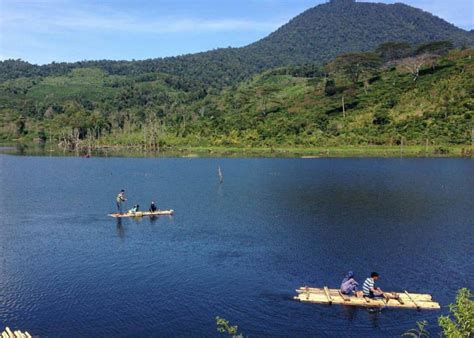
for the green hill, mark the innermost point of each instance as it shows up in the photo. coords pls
(295, 106)
(341, 26)
(315, 36)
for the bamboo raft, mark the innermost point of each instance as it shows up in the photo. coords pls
(14, 334)
(404, 300)
(143, 214)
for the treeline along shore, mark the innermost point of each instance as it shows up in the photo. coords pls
(395, 100)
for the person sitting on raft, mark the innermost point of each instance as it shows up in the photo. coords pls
(134, 209)
(349, 285)
(369, 289)
(153, 207)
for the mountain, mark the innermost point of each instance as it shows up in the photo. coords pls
(341, 26)
(315, 36)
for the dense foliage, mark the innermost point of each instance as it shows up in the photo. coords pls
(461, 324)
(373, 103)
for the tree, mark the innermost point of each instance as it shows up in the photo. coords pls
(330, 87)
(20, 126)
(393, 50)
(463, 311)
(353, 65)
(414, 64)
(436, 48)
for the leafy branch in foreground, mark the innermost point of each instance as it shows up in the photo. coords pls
(462, 326)
(223, 326)
(419, 332)
(463, 311)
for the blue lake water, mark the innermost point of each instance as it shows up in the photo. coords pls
(237, 250)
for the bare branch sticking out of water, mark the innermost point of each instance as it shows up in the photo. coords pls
(221, 177)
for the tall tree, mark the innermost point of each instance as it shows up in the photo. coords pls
(393, 50)
(353, 65)
(435, 48)
(414, 64)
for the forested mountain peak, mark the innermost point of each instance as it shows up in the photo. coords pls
(315, 36)
(341, 2)
(341, 26)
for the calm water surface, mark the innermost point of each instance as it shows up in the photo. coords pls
(236, 250)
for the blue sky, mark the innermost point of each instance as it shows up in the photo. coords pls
(42, 31)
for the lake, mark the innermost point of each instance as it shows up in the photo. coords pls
(236, 250)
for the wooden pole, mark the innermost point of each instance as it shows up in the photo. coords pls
(144, 137)
(401, 147)
(343, 108)
(343, 296)
(408, 295)
(472, 137)
(326, 291)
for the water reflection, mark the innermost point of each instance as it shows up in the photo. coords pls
(137, 220)
(120, 228)
(374, 317)
(349, 312)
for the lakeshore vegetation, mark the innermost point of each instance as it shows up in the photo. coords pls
(302, 88)
(357, 99)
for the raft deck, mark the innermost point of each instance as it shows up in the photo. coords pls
(14, 334)
(143, 214)
(334, 296)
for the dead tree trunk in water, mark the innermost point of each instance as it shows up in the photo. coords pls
(219, 172)
(343, 108)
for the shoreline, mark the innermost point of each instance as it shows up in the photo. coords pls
(344, 151)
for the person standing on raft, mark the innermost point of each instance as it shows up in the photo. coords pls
(120, 199)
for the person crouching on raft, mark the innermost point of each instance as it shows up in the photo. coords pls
(134, 209)
(349, 285)
(153, 207)
(120, 199)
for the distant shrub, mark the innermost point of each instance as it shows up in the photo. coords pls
(381, 118)
(441, 150)
(330, 88)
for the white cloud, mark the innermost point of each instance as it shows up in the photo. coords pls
(39, 20)
(160, 25)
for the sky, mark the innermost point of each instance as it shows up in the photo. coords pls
(42, 31)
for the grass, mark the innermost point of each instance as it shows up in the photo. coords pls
(335, 151)
(347, 151)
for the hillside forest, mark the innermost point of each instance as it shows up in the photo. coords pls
(397, 93)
